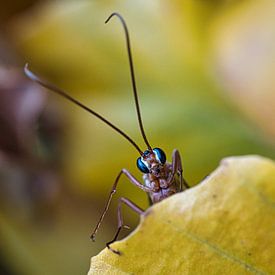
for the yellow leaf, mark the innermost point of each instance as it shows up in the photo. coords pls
(224, 225)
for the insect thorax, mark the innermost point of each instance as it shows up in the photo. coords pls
(160, 185)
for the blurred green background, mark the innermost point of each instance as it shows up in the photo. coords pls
(204, 73)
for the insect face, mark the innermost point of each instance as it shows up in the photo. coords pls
(152, 162)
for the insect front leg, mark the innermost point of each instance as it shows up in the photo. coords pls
(177, 168)
(133, 180)
(134, 207)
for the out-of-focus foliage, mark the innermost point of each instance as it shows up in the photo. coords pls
(224, 225)
(28, 164)
(244, 40)
(71, 44)
(195, 95)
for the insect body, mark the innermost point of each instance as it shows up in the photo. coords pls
(159, 175)
(161, 179)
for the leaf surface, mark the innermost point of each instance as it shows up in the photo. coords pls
(224, 225)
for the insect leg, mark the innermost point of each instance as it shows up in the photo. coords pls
(134, 207)
(177, 168)
(132, 180)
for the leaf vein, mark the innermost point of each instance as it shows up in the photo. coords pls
(217, 249)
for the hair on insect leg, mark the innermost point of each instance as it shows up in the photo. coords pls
(120, 225)
(134, 181)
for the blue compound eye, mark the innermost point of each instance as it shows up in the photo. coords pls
(160, 155)
(146, 153)
(141, 166)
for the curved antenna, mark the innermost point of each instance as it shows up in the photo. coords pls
(132, 74)
(57, 90)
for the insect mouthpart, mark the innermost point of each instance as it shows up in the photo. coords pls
(157, 169)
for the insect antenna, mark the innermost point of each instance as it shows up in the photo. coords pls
(128, 46)
(59, 91)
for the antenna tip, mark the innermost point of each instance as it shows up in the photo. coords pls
(113, 14)
(29, 74)
(26, 67)
(27, 71)
(92, 237)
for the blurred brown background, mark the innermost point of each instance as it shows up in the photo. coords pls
(204, 73)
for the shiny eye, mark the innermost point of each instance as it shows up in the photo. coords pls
(141, 166)
(160, 155)
(146, 153)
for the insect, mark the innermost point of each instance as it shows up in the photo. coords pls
(161, 179)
